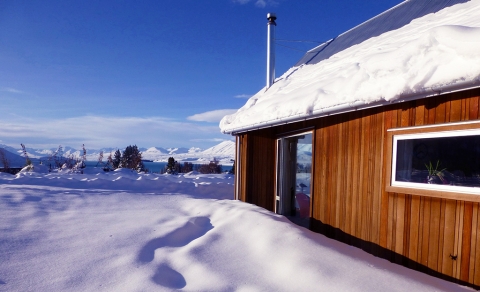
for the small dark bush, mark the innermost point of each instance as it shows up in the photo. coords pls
(212, 167)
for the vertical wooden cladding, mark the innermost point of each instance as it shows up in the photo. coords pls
(348, 167)
(241, 158)
(438, 234)
(257, 177)
(434, 235)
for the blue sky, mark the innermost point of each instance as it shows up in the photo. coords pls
(150, 73)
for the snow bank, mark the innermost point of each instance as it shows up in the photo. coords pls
(430, 53)
(124, 231)
(220, 185)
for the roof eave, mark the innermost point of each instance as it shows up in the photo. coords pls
(356, 106)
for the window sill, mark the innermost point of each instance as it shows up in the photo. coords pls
(443, 194)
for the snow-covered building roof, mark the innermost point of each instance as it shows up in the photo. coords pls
(414, 50)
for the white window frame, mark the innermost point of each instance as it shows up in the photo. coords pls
(470, 128)
(279, 171)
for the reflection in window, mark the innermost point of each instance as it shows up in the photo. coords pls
(294, 178)
(448, 160)
(303, 175)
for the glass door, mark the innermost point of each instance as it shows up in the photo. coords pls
(294, 165)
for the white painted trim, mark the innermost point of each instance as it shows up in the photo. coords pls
(277, 173)
(279, 160)
(237, 168)
(436, 134)
(435, 187)
(435, 126)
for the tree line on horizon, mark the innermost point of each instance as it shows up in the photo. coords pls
(55, 160)
(130, 158)
(173, 167)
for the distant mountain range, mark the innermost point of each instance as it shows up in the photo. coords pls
(224, 152)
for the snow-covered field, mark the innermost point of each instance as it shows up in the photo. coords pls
(123, 231)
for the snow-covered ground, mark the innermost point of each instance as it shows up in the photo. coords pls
(123, 231)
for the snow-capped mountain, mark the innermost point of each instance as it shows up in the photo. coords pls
(153, 152)
(180, 150)
(224, 152)
(43, 153)
(225, 148)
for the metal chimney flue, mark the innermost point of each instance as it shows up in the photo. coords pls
(271, 48)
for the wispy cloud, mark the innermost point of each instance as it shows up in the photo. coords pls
(261, 3)
(258, 3)
(98, 132)
(11, 90)
(243, 96)
(211, 116)
(216, 140)
(241, 1)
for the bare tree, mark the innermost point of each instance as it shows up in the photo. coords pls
(212, 167)
(100, 158)
(84, 156)
(109, 164)
(4, 160)
(27, 159)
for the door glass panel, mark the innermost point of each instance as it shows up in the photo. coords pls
(294, 178)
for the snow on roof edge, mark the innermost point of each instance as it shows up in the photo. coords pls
(434, 54)
(356, 106)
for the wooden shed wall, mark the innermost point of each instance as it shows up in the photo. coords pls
(349, 201)
(257, 168)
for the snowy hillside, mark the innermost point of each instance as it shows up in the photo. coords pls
(153, 152)
(14, 159)
(45, 153)
(180, 150)
(223, 149)
(224, 152)
(124, 231)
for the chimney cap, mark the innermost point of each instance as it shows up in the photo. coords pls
(271, 16)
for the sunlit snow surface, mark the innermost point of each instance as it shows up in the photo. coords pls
(434, 51)
(123, 231)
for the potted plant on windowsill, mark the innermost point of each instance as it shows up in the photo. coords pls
(435, 175)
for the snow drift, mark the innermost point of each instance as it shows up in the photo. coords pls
(124, 231)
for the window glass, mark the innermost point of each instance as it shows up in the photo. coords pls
(294, 178)
(447, 159)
